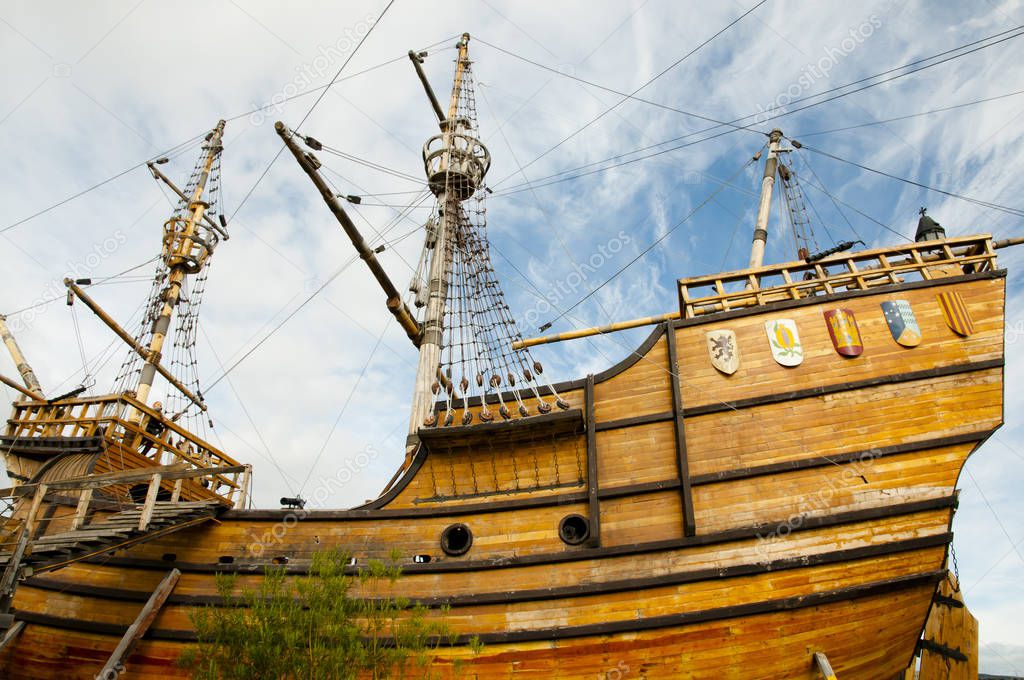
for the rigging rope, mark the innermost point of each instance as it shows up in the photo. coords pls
(651, 247)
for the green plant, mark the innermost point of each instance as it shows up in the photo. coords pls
(316, 626)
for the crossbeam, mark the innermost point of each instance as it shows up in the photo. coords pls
(115, 664)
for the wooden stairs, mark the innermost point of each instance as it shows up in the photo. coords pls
(113, 532)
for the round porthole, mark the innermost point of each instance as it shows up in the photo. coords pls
(456, 540)
(574, 529)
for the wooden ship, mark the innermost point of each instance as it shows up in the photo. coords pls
(763, 488)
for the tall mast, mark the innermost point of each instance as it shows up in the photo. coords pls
(185, 251)
(27, 374)
(764, 208)
(455, 163)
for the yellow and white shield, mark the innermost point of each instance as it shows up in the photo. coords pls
(723, 350)
(784, 339)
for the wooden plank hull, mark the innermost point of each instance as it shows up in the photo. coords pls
(745, 521)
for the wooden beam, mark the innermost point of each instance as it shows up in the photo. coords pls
(824, 667)
(15, 386)
(596, 330)
(593, 483)
(116, 663)
(139, 349)
(682, 459)
(147, 508)
(37, 500)
(82, 509)
(167, 473)
(12, 633)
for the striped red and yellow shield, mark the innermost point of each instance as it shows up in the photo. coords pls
(954, 311)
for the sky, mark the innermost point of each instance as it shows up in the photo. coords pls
(94, 89)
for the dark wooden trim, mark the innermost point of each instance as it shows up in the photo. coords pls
(607, 628)
(593, 483)
(839, 458)
(941, 649)
(557, 423)
(606, 493)
(682, 463)
(718, 317)
(790, 526)
(940, 372)
(647, 419)
(541, 594)
(948, 601)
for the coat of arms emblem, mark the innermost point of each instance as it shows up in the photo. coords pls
(842, 328)
(954, 311)
(723, 350)
(784, 339)
(902, 322)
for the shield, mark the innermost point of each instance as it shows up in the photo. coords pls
(954, 311)
(723, 350)
(902, 322)
(842, 328)
(784, 339)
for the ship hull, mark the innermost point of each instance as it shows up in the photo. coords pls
(737, 523)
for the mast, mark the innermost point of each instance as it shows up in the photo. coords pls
(764, 208)
(27, 374)
(185, 251)
(455, 163)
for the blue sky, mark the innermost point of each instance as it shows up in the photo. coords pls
(90, 91)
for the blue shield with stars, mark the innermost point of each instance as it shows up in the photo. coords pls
(902, 322)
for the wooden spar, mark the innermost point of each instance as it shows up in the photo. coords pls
(1006, 243)
(440, 265)
(181, 194)
(596, 330)
(765, 206)
(142, 351)
(178, 253)
(115, 664)
(27, 374)
(309, 163)
(15, 386)
(417, 62)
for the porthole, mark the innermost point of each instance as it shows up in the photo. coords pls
(574, 529)
(456, 540)
(226, 559)
(421, 559)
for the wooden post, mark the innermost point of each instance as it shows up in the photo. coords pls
(82, 509)
(27, 374)
(679, 428)
(147, 509)
(115, 664)
(243, 491)
(37, 500)
(593, 483)
(824, 666)
(176, 493)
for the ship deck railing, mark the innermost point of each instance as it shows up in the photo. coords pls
(41, 428)
(863, 270)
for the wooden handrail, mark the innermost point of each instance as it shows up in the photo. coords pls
(860, 271)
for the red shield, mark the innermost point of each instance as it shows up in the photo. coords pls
(954, 311)
(842, 328)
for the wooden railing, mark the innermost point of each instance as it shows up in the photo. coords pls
(129, 439)
(862, 270)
